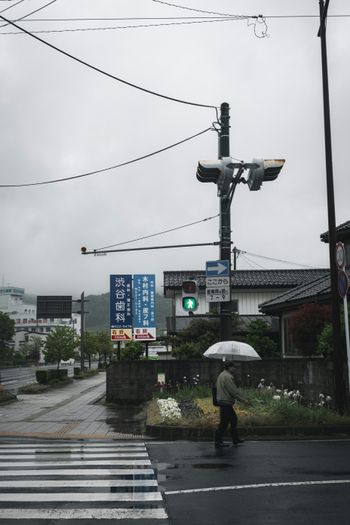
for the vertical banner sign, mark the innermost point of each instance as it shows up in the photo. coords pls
(144, 308)
(121, 307)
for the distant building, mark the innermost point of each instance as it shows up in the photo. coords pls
(24, 316)
(249, 288)
(316, 290)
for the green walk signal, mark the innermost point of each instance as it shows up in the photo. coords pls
(189, 304)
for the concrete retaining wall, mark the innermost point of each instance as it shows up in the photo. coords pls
(135, 381)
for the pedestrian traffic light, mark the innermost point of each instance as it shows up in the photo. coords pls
(263, 170)
(189, 296)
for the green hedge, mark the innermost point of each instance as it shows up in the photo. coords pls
(43, 377)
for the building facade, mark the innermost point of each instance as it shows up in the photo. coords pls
(24, 315)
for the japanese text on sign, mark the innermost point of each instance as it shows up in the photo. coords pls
(121, 301)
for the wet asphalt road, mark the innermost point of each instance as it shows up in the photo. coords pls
(257, 483)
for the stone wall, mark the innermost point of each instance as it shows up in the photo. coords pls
(135, 381)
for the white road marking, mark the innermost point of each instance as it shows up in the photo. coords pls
(77, 455)
(82, 472)
(87, 462)
(47, 497)
(74, 514)
(259, 486)
(49, 483)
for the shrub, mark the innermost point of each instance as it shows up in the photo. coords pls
(133, 351)
(42, 377)
(306, 326)
(188, 351)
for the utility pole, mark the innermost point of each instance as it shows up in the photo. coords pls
(338, 354)
(82, 329)
(225, 221)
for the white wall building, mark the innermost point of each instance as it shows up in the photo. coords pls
(24, 315)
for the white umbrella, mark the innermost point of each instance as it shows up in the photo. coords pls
(232, 351)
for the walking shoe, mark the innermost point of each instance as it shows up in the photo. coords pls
(221, 445)
(238, 442)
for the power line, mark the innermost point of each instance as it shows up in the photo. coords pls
(32, 12)
(275, 260)
(108, 28)
(104, 72)
(65, 179)
(159, 233)
(11, 6)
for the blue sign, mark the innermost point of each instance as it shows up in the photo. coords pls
(121, 301)
(144, 307)
(217, 268)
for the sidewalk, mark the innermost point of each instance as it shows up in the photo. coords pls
(70, 412)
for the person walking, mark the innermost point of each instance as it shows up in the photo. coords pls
(227, 393)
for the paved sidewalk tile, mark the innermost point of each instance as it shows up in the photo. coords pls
(71, 412)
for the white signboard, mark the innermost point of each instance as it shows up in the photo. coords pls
(217, 282)
(218, 294)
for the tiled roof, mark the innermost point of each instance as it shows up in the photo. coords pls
(342, 232)
(315, 289)
(248, 278)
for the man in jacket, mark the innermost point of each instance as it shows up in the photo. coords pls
(227, 393)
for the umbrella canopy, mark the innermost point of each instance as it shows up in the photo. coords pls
(232, 351)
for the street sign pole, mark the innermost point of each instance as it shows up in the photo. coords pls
(225, 220)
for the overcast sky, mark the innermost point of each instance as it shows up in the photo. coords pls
(60, 119)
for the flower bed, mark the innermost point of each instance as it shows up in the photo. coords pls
(191, 406)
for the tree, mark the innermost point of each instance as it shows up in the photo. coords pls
(325, 341)
(32, 348)
(132, 351)
(104, 347)
(90, 345)
(60, 344)
(7, 331)
(259, 339)
(306, 326)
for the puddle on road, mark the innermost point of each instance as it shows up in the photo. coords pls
(127, 419)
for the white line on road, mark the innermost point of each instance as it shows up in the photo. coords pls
(74, 514)
(259, 486)
(87, 462)
(74, 455)
(79, 496)
(81, 472)
(81, 483)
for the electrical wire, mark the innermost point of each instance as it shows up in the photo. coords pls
(31, 13)
(140, 88)
(65, 179)
(198, 10)
(159, 233)
(108, 28)
(275, 260)
(11, 6)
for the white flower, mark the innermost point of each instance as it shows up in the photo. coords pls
(328, 399)
(277, 398)
(321, 396)
(278, 391)
(169, 409)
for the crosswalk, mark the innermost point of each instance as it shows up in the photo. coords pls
(78, 480)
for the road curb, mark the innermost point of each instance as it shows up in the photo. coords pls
(173, 433)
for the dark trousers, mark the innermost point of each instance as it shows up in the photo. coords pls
(227, 416)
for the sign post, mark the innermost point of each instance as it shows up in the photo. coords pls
(144, 323)
(218, 282)
(121, 307)
(343, 286)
